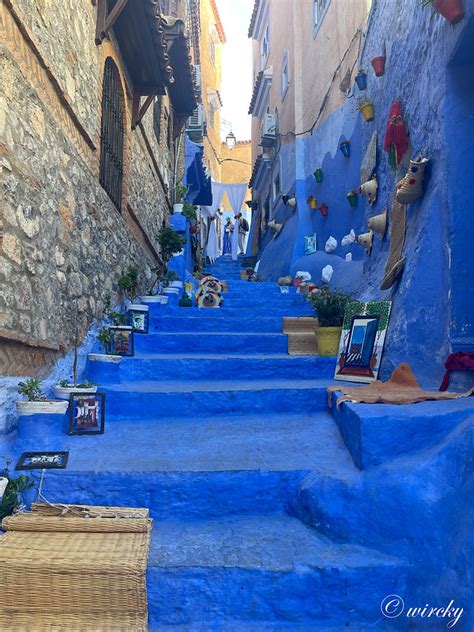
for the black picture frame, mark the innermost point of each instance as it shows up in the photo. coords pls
(93, 421)
(120, 349)
(56, 460)
(146, 320)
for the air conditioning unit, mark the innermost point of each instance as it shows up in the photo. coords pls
(195, 125)
(197, 78)
(268, 130)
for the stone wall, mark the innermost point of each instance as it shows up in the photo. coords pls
(64, 244)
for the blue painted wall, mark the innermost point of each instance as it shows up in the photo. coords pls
(429, 67)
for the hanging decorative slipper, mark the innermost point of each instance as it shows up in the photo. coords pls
(369, 189)
(378, 223)
(366, 240)
(410, 188)
(396, 136)
(208, 298)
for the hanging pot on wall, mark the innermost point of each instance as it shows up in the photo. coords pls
(378, 223)
(352, 198)
(367, 110)
(312, 202)
(318, 174)
(324, 209)
(369, 189)
(345, 147)
(378, 64)
(451, 10)
(365, 240)
(361, 80)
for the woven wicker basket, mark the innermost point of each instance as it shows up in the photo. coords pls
(88, 573)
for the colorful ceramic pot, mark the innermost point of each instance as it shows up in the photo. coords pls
(312, 202)
(345, 147)
(451, 10)
(324, 209)
(378, 64)
(361, 80)
(328, 340)
(318, 174)
(352, 198)
(367, 110)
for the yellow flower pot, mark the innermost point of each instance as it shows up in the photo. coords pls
(367, 110)
(328, 340)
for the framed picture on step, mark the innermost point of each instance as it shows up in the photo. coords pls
(86, 413)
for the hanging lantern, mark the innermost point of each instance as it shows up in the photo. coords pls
(318, 174)
(324, 209)
(345, 147)
(312, 202)
(361, 80)
(352, 198)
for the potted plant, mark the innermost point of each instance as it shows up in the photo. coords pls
(378, 64)
(179, 194)
(366, 108)
(451, 10)
(138, 314)
(64, 387)
(329, 307)
(11, 490)
(37, 402)
(189, 211)
(170, 242)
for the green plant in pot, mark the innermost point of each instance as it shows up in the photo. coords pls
(36, 402)
(11, 490)
(129, 283)
(189, 211)
(329, 307)
(65, 387)
(170, 242)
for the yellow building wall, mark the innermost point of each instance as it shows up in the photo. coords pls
(236, 168)
(212, 38)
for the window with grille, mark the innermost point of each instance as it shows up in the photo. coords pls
(112, 134)
(157, 119)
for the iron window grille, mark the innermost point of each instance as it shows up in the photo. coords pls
(112, 134)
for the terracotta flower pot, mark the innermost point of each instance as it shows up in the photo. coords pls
(328, 340)
(324, 209)
(451, 10)
(378, 64)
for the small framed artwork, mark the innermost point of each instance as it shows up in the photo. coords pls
(86, 413)
(362, 341)
(139, 319)
(121, 341)
(42, 461)
(310, 244)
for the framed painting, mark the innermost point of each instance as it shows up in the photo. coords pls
(362, 341)
(310, 244)
(86, 413)
(139, 319)
(121, 341)
(42, 461)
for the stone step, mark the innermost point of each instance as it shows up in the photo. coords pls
(377, 433)
(186, 323)
(211, 367)
(264, 568)
(220, 466)
(211, 342)
(151, 399)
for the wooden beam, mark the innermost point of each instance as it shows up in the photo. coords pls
(114, 14)
(140, 113)
(100, 34)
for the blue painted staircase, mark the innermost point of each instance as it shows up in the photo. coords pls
(214, 427)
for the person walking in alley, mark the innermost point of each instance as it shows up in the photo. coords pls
(228, 229)
(243, 230)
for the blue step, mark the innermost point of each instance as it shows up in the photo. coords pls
(264, 568)
(185, 323)
(211, 367)
(211, 342)
(144, 400)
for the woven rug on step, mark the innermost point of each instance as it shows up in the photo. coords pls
(75, 568)
(301, 336)
(401, 388)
